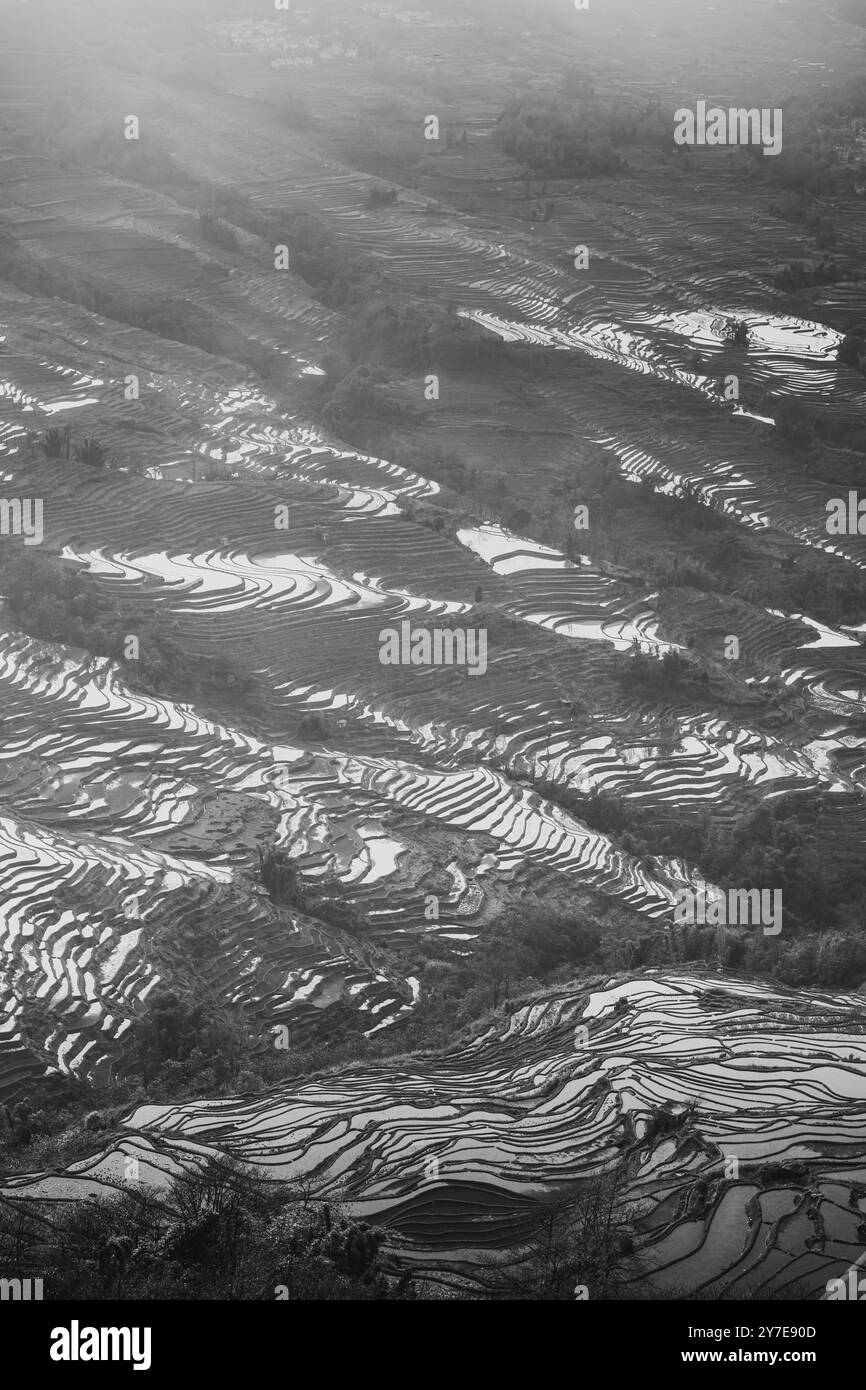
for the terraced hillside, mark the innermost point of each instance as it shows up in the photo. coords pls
(753, 1181)
(299, 358)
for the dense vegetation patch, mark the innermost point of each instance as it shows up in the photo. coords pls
(563, 139)
(53, 600)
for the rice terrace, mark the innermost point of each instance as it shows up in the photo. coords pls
(432, 632)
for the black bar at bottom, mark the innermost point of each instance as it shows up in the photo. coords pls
(59, 1340)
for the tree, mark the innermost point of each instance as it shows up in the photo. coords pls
(852, 349)
(562, 138)
(171, 1032)
(793, 423)
(279, 875)
(55, 443)
(738, 331)
(214, 229)
(325, 1254)
(294, 113)
(378, 196)
(580, 1240)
